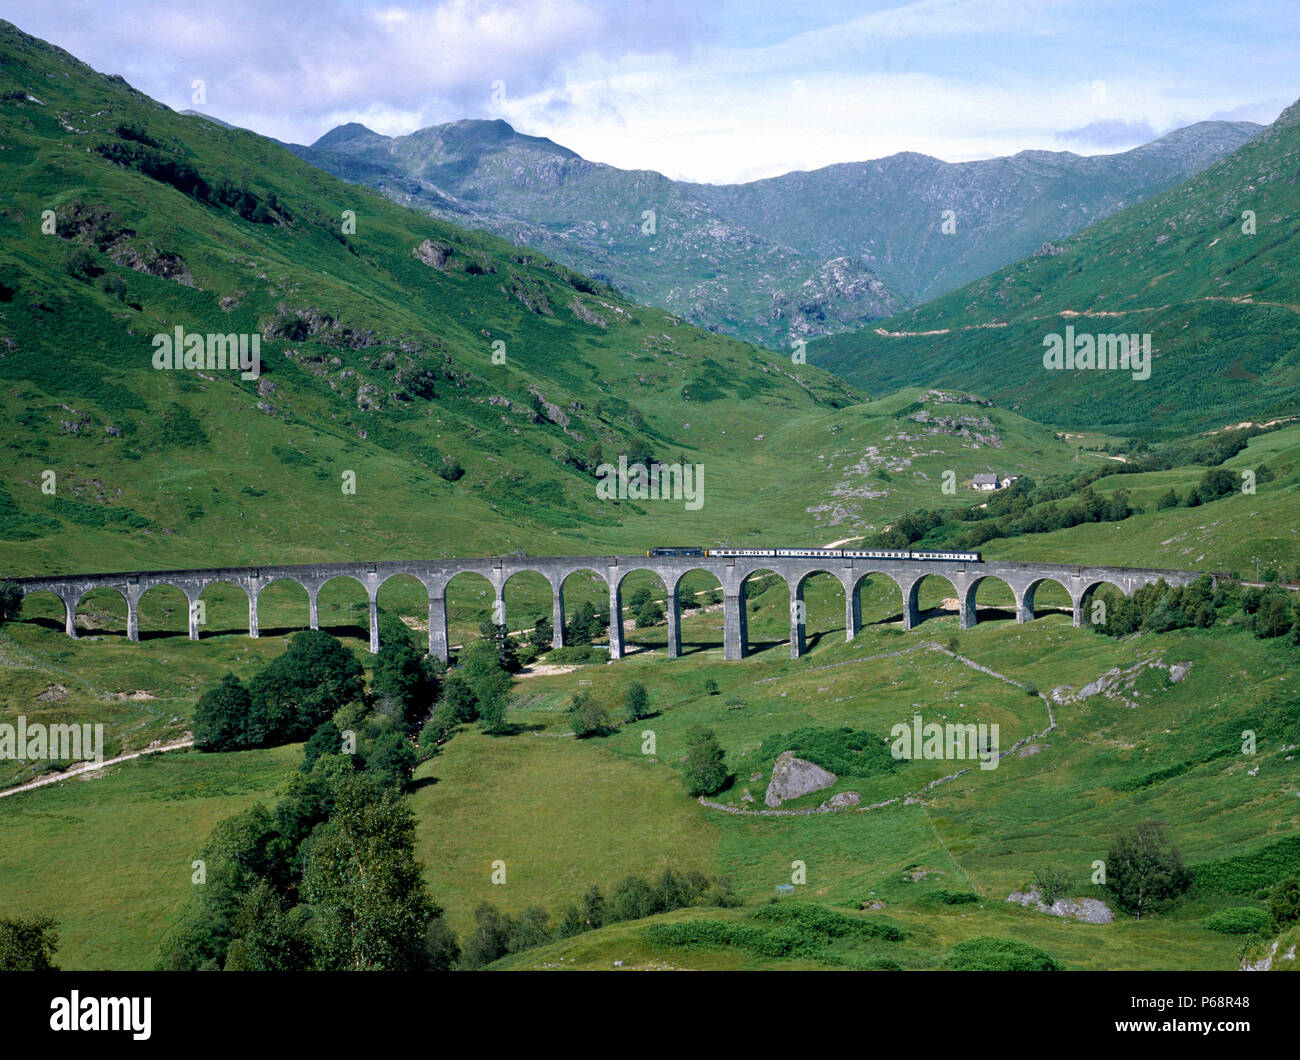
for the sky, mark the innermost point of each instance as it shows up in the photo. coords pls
(721, 91)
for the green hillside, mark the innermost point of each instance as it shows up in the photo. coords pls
(377, 358)
(1222, 308)
(377, 352)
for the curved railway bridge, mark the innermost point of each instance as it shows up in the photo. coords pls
(732, 572)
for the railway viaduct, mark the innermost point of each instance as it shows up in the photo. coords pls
(732, 572)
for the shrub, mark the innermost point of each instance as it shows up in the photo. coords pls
(451, 469)
(843, 751)
(999, 955)
(222, 716)
(633, 899)
(28, 945)
(1284, 902)
(326, 740)
(817, 920)
(81, 264)
(1244, 920)
(11, 600)
(180, 428)
(1052, 882)
(705, 771)
(579, 653)
(294, 693)
(636, 702)
(953, 897)
(1254, 874)
(583, 626)
(114, 286)
(542, 635)
(587, 717)
(648, 614)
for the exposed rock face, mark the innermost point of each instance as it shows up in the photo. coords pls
(433, 254)
(792, 777)
(584, 313)
(776, 260)
(1089, 910)
(1264, 964)
(842, 800)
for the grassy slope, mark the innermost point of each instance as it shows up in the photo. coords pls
(985, 831)
(266, 483)
(1226, 535)
(278, 506)
(109, 855)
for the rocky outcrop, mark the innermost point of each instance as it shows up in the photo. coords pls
(433, 254)
(1089, 910)
(586, 314)
(793, 777)
(1264, 964)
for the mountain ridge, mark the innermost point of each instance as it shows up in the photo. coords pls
(1207, 269)
(751, 259)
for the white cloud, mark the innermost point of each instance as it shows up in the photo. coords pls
(655, 85)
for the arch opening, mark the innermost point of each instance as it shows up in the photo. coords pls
(44, 608)
(221, 609)
(471, 601)
(989, 598)
(163, 611)
(1098, 602)
(1047, 596)
(101, 612)
(877, 601)
(283, 607)
(700, 600)
(530, 612)
(343, 608)
(584, 606)
(932, 596)
(645, 612)
(823, 613)
(764, 611)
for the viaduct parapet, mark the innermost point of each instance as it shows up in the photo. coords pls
(732, 572)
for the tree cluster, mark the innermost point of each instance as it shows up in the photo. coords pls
(286, 700)
(1268, 612)
(327, 879)
(476, 689)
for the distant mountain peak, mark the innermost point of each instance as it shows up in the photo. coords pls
(351, 133)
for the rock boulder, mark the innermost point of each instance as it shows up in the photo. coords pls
(792, 777)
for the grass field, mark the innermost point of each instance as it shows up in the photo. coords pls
(108, 854)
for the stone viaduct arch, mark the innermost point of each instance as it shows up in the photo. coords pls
(731, 572)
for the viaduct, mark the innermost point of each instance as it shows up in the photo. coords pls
(732, 572)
